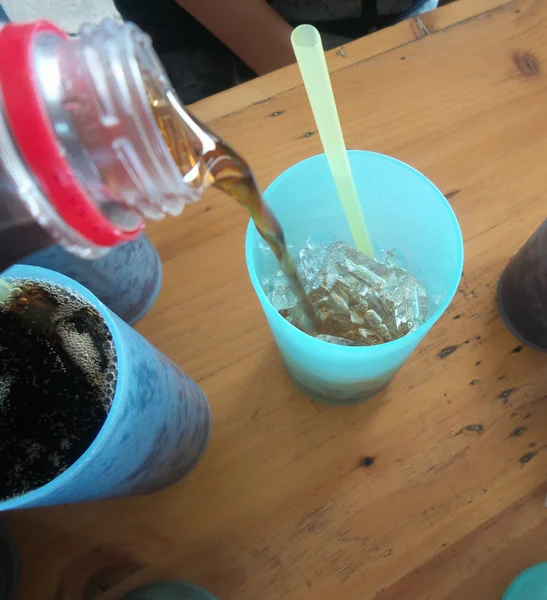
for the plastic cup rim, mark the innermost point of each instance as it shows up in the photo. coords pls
(34, 496)
(418, 333)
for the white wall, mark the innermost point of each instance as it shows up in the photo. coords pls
(67, 14)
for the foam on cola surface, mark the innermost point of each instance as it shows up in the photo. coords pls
(57, 381)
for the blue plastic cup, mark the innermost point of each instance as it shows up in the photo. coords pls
(127, 279)
(155, 433)
(403, 210)
(170, 590)
(529, 585)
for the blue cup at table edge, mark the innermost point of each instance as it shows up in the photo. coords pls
(170, 590)
(529, 585)
(403, 210)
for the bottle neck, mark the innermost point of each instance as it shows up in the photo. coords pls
(89, 135)
(93, 89)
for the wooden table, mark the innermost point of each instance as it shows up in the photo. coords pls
(283, 505)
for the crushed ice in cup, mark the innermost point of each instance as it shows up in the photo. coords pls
(281, 295)
(358, 301)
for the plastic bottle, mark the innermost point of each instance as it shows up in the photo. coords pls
(82, 161)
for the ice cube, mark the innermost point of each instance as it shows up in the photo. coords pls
(392, 259)
(281, 295)
(358, 309)
(388, 303)
(375, 324)
(267, 285)
(332, 339)
(392, 292)
(311, 262)
(385, 312)
(267, 265)
(414, 301)
(367, 337)
(359, 272)
(366, 267)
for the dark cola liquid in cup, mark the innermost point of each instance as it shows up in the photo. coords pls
(57, 379)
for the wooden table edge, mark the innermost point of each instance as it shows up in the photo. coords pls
(266, 88)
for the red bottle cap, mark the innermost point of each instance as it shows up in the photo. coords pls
(36, 139)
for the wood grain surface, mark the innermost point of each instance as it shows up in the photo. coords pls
(449, 502)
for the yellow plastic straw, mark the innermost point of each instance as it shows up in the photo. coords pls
(309, 52)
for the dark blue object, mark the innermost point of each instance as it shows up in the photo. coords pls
(156, 430)
(170, 590)
(127, 279)
(529, 585)
(9, 566)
